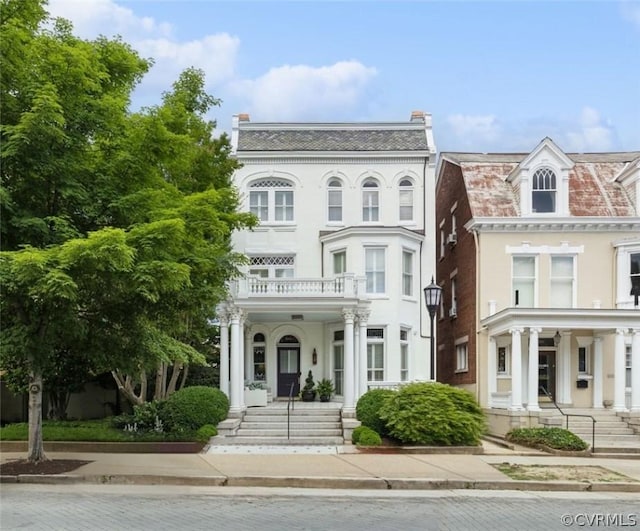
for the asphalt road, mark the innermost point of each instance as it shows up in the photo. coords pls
(109, 507)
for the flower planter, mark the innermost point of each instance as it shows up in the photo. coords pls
(255, 397)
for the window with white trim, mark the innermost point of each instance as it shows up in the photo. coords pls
(627, 367)
(503, 362)
(271, 200)
(404, 354)
(370, 201)
(462, 357)
(334, 201)
(524, 281)
(584, 359)
(562, 283)
(338, 361)
(272, 266)
(407, 273)
(442, 242)
(543, 191)
(634, 268)
(259, 358)
(375, 354)
(339, 262)
(375, 269)
(454, 298)
(406, 200)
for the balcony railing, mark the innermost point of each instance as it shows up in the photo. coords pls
(343, 286)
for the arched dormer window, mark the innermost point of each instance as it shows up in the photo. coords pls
(271, 200)
(334, 201)
(370, 200)
(543, 191)
(406, 200)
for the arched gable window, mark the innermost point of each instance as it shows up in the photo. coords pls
(370, 200)
(543, 191)
(406, 200)
(271, 200)
(334, 200)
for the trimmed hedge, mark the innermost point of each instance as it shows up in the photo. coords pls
(365, 436)
(191, 408)
(368, 409)
(434, 414)
(205, 433)
(556, 438)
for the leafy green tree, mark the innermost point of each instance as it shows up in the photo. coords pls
(116, 226)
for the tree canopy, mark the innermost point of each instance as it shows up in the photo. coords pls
(116, 225)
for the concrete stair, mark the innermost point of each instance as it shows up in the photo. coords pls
(613, 435)
(309, 424)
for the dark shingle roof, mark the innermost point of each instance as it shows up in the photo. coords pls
(333, 140)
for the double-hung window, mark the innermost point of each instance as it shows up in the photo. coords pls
(338, 361)
(271, 200)
(407, 273)
(339, 262)
(370, 201)
(375, 269)
(334, 201)
(375, 354)
(562, 290)
(462, 357)
(524, 281)
(406, 200)
(404, 354)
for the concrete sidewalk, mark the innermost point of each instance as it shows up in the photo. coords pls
(345, 468)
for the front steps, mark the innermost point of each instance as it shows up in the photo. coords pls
(313, 424)
(613, 435)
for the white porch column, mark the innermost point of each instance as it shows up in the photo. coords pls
(532, 400)
(348, 396)
(363, 318)
(356, 361)
(247, 354)
(565, 381)
(492, 370)
(619, 372)
(635, 370)
(598, 376)
(236, 383)
(223, 317)
(516, 369)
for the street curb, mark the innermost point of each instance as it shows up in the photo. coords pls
(370, 483)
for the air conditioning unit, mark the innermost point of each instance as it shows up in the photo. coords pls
(453, 312)
(452, 239)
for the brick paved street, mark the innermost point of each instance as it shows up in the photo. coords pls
(92, 507)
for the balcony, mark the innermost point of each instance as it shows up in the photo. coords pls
(343, 286)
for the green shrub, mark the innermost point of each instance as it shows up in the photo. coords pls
(193, 407)
(368, 437)
(145, 417)
(368, 409)
(355, 435)
(205, 432)
(556, 438)
(431, 413)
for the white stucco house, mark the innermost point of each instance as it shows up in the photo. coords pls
(338, 262)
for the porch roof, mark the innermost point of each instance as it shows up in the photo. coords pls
(601, 319)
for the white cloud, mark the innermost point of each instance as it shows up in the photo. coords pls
(474, 129)
(592, 133)
(302, 92)
(631, 11)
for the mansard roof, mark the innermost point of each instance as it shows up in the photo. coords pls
(593, 190)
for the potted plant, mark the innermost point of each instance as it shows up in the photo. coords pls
(308, 392)
(325, 389)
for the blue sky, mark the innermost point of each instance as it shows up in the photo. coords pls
(496, 76)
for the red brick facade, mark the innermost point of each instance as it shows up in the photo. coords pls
(450, 193)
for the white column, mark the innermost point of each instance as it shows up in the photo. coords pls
(598, 372)
(532, 400)
(492, 370)
(619, 372)
(356, 361)
(247, 354)
(348, 395)
(516, 369)
(236, 383)
(363, 318)
(565, 382)
(224, 352)
(635, 371)
(241, 359)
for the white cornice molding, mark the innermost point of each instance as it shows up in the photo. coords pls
(344, 126)
(333, 157)
(365, 231)
(563, 224)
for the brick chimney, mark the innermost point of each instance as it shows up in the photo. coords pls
(243, 117)
(417, 116)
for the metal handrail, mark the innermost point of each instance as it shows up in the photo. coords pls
(567, 415)
(290, 404)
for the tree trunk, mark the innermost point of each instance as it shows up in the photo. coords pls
(127, 386)
(177, 369)
(36, 445)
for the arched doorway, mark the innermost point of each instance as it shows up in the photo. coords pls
(288, 365)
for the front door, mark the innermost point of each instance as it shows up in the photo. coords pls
(547, 374)
(288, 370)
